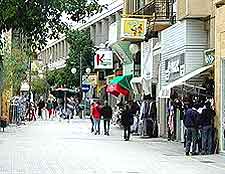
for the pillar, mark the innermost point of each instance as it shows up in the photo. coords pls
(105, 30)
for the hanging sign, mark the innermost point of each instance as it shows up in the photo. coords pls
(103, 60)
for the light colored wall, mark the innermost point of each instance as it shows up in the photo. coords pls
(193, 8)
(220, 53)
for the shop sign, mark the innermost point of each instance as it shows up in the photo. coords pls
(104, 59)
(175, 67)
(209, 56)
(132, 28)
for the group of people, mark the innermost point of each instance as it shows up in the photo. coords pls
(99, 112)
(199, 123)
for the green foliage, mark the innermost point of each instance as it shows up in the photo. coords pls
(15, 66)
(80, 46)
(39, 86)
(39, 20)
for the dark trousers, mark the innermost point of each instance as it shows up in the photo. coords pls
(106, 125)
(192, 136)
(126, 132)
(207, 139)
(92, 124)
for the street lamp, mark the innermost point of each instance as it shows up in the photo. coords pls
(88, 71)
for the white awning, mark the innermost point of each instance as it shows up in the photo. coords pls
(165, 91)
(136, 80)
(136, 84)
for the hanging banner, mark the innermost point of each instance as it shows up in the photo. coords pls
(132, 28)
(103, 60)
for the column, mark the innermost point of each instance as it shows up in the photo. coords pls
(92, 33)
(105, 30)
(98, 33)
(118, 21)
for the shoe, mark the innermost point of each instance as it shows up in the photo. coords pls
(125, 139)
(187, 154)
(107, 133)
(194, 153)
(96, 133)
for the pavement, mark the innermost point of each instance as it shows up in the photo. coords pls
(59, 147)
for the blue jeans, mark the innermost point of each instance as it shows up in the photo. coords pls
(207, 139)
(97, 125)
(192, 137)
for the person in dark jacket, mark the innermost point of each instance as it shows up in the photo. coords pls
(127, 121)
(191, 123)
(207, 121)
(107, 116)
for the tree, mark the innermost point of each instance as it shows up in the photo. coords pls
(38, 86)
(39, 20)
(82, 47)
(15, 66)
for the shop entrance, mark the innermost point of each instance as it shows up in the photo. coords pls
(223, 105)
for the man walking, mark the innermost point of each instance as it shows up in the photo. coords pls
(107, 116)
(96, 113)
(191, 123)
(207, 121)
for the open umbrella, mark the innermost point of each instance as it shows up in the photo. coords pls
(60, 92)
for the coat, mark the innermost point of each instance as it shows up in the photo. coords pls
(96, 111)
(191, 118)
(127, 118)
(107, 112)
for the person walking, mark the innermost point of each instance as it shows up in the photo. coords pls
(41, 106)
(191, 124)
(91, 117)
(107, 116)
(96, 113)
(49, 108)
(126, 121)
(207, 121)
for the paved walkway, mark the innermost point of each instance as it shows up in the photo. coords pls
(53, 147)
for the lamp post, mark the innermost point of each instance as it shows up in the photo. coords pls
(88, 71)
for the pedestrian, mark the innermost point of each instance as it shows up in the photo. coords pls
(41, 105)
(107, 116)
(96, 113)
(49, 108)
(191, 124)
(55, 105)
(127, 120)
(91, 116)
(207, 121)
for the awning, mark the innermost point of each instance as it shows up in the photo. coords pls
(165, 91)
(136, 84)
(123, 81)
(121, 49)
(117, 90)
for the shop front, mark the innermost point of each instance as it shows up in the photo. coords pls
(182, 73)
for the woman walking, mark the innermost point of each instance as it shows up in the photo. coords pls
(96, 113)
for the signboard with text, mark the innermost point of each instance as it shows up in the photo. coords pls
(103, 59)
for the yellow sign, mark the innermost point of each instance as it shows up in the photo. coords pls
(133, 28)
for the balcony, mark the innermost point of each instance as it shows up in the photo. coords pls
(193, 9)
(160, 14)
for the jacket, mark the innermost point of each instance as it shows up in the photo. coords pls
(127, 118)
(96, 111)
(191, 118)
(207, 117)
(107, 112)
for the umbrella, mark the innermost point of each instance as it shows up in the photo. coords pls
(123, 81)
(63, 93)
(116, 90)
(60, 92)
